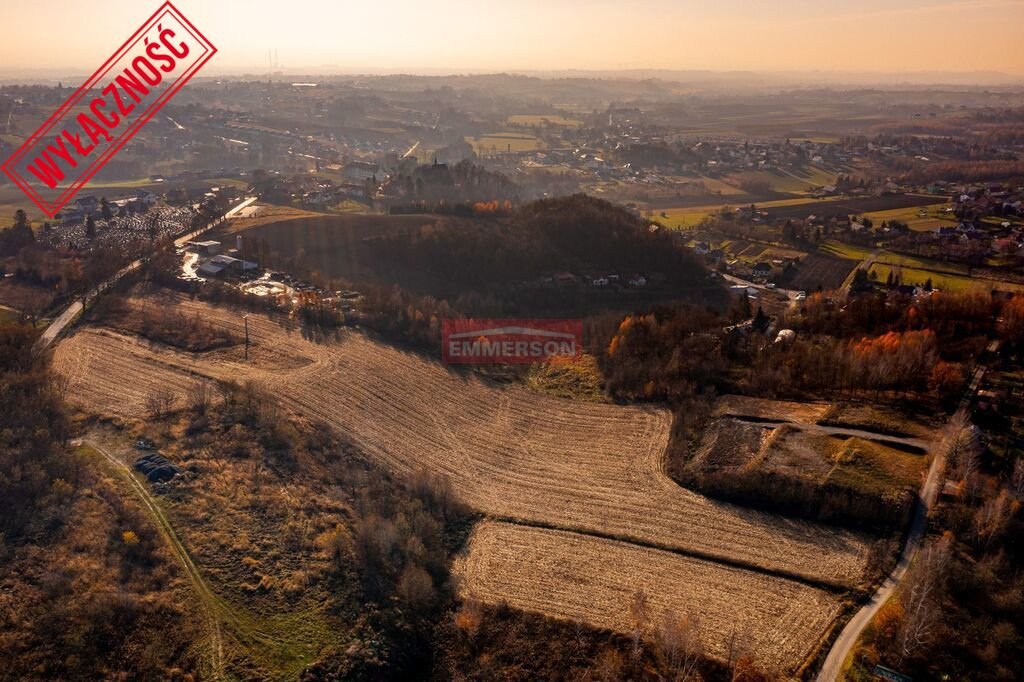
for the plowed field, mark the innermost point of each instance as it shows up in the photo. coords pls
(591, 579)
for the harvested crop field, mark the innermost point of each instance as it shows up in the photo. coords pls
(510, 452)
(514, 454)
(816, 270)
(593, 580)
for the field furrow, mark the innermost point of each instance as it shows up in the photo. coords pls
(593, 580)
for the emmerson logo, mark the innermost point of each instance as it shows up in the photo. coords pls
(505, 341)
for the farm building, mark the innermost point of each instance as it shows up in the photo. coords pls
(207, 248)
(226, 265)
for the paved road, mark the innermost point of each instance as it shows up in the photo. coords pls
(841, 648)
(71, 313)
(788, 293)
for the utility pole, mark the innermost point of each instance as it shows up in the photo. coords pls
(245, 318)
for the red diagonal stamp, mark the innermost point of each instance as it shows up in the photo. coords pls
(109, 108)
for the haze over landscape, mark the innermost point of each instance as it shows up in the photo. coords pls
(949, 39)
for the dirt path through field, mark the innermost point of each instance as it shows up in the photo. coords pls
(210, 603)
(229, 626)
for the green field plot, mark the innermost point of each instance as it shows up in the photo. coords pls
(848, 251)
(505, 142)
(719, 186)
(870, 467)
(793, 181)
(945, 281)
(688, 216)
(920, 218)
(890, 258)
(775, 252)
(682, 218)
(8, 315)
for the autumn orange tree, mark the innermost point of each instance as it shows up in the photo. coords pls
(895, 360)
(1011, 323)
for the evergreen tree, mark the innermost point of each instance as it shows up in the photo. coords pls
(743, 310)
(761, 320)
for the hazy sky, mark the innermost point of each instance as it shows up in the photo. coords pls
(364, 36)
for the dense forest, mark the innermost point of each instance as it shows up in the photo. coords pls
(577, 233)
(463, 182)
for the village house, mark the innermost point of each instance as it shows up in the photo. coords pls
(223, 265)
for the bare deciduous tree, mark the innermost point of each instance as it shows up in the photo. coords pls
(639, 614)
(920, 594)
(738, 644)
(608, 667)
(160, 403)
(1017, 479)
(200, 396)
(993, 516)
(964, 453)
(679, 644)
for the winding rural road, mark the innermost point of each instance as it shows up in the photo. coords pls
(832, 668)
(71, 313)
